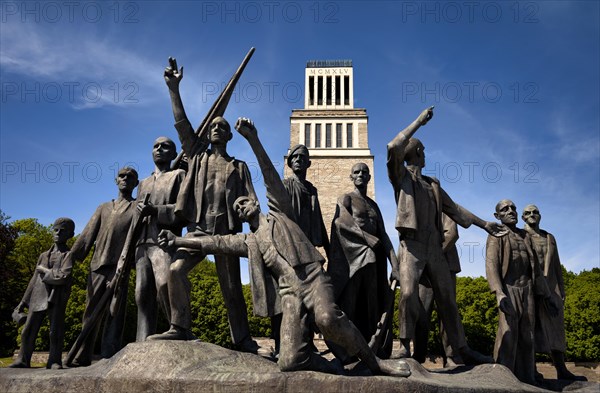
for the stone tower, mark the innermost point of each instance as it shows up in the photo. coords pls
(335, 132)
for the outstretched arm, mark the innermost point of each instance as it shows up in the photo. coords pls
(233, 245)
(465, 218)
(276, 193)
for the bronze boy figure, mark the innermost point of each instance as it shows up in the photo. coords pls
(48, 290)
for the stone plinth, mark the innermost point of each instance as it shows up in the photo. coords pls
(185, 367)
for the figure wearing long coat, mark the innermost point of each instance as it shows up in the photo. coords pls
(550, 330)
(420, 203)
(190, 208)
(514, 346)
(107, 231)
(47, 295)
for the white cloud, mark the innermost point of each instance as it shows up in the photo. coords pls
(32, 51)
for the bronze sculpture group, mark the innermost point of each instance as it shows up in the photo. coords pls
(214, 196)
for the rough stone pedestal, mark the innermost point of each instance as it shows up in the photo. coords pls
(185, 367)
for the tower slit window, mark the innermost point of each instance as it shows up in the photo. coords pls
(317, 135)
(328, 135)
(349, 135)
(338, 88)
(319, 90)
(307, 135)
(346, 90)
(311, 90)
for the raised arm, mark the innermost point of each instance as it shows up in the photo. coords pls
(184, 128)
(173, 77)
(403, 136)
(276, 193)
(395, 149)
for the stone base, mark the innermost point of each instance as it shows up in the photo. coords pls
(177, 366)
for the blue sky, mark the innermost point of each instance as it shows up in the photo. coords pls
(515, 85)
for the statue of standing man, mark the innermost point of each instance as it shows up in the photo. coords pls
(550, 330)
(214, 181)
(305, 200)
(514, 277)
(107, 233)
(420, 203)
(152, 262)
(360, 249)
(47, 293)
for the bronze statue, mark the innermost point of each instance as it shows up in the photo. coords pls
(360, 249)
(304, 197)
(205, 201)
(277, 248)
(307, 213)
(107, 230)
(426, 296)
(550, 329)
(152, 262)
(48, 292)
(514, 276)
(420, 204)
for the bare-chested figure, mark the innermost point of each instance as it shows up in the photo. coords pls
(360, 249)
(513, 275)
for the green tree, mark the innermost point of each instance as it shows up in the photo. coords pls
(10, 280)
(209, 315)
(582, 315)
(477, 307)
(259, 326)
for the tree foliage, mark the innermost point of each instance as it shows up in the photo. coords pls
(582, 315)
(10, 282)
(209, 315)
(477, 307)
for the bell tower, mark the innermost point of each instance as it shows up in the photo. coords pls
(335, 132)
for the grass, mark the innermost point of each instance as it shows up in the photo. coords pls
(5, 362)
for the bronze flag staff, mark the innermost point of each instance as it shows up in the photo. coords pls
(217, 109)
